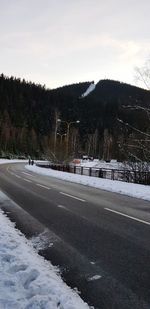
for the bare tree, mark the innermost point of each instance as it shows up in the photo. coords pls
(137, 143)
(107, 148)
(142, 74)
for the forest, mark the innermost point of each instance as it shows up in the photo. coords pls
(61, 124)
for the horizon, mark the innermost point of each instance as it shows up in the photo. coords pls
(74, 83)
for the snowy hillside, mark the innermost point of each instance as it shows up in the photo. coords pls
(89, 90)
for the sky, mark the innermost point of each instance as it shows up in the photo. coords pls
(59, 42)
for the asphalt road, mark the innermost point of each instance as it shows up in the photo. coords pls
(101, 240)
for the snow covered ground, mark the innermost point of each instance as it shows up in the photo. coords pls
(27, 281)
(130, 189)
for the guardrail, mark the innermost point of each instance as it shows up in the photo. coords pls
(112, 174)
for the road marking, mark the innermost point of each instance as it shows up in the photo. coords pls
(93, 263)
(26, 180)
(28, 174)
(43, 186)
(63, 207)
(130, 217)
(72, 196)
(96, 277)
(17, 176)
(10, 172)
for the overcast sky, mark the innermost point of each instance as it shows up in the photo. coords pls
(58, 42)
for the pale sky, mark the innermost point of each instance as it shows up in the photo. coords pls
(58, 42)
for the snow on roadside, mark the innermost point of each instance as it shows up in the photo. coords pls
(27, 281)
(130, 189)
(3, 161)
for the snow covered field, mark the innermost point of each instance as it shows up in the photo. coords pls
(27, 281)
(113, 164)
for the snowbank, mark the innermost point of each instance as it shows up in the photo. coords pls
(2, 161)
(26, 279)
(130, 189)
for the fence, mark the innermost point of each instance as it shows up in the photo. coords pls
(139, 177)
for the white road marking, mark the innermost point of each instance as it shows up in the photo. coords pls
(93, 263)
(28, 174)
(130, 217)
(72, 196)
(96, 277)
(26, 180)
(10, 172)
(43, 186)
(63, 207)
(17, 176)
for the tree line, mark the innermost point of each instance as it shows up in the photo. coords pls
(29, 116)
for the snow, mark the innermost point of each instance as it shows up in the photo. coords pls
(130, 189)
(27, 281)
(5, 161)
(113, 164)
(89, 90)
(96, 277)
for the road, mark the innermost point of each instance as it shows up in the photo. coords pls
(101, 240)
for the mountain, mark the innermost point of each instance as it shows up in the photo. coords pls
(28, 115)
(88, 90)
(108, 100)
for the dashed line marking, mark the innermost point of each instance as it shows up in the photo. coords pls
(12, 173)
(28, 174)
(93, 263)
(63, 207)
(42, 186)
(130, 217)
(96, 277)
(17, 176)
(72, 196)
(27, 180)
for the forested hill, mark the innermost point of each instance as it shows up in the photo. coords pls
(28, 115)
(32, 106)
(107, 102)
(108, 89)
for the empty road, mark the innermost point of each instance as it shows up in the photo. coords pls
(101, 240)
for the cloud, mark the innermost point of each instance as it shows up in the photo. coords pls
(73, 39)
